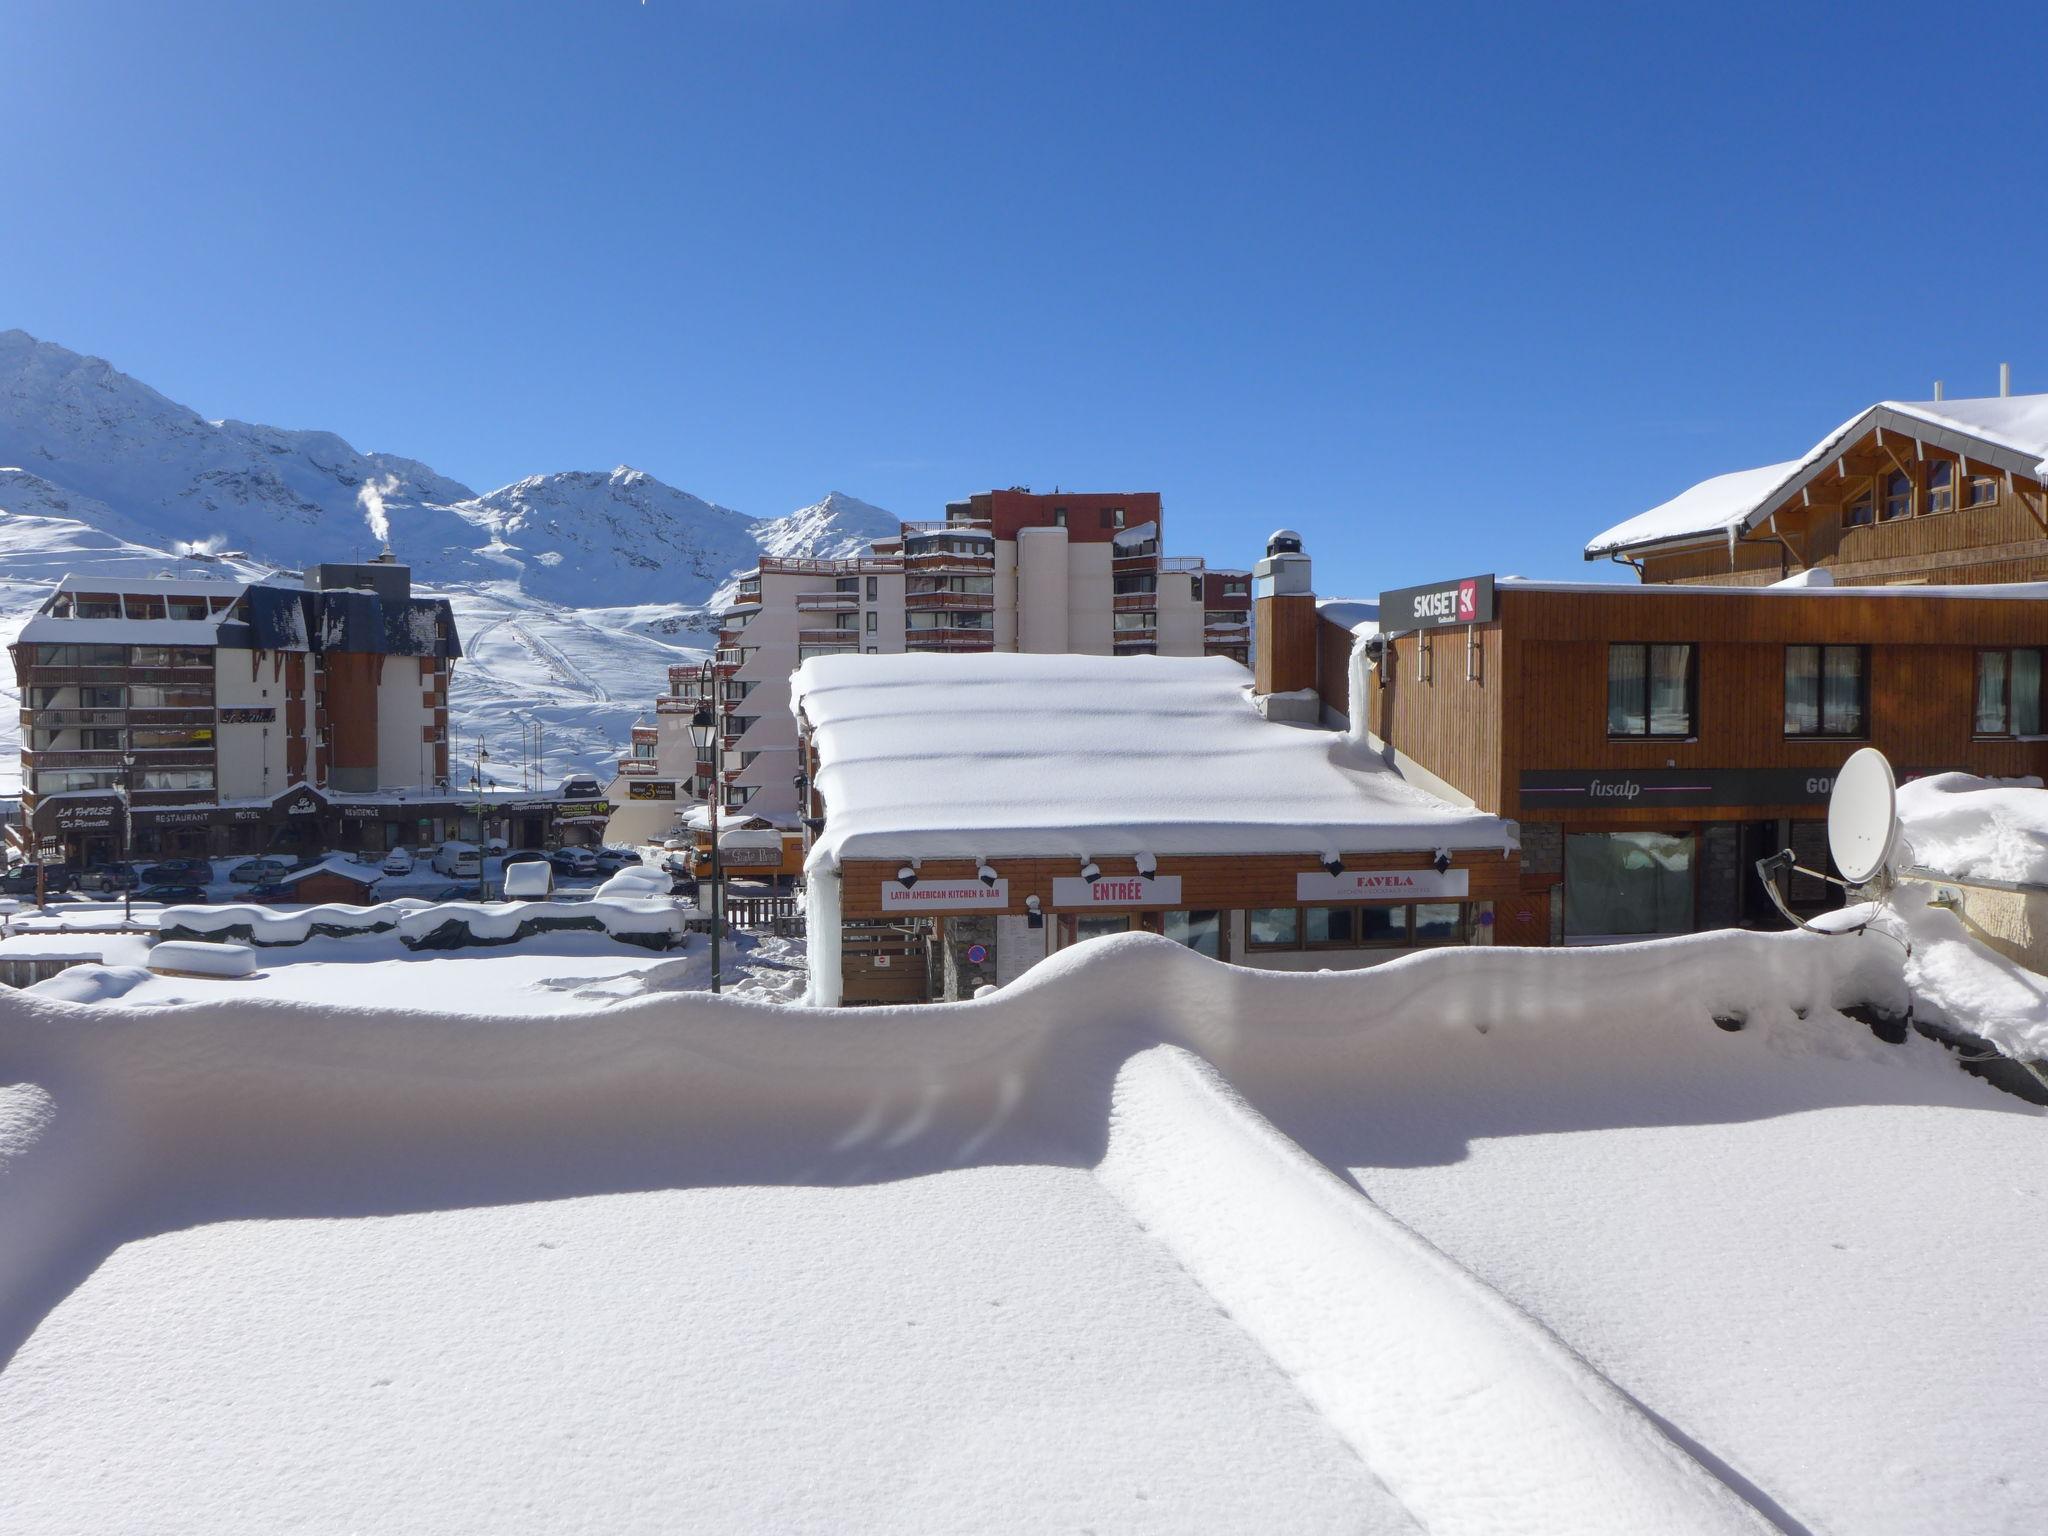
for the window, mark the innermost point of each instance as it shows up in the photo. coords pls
(1059, 517)
(1274, 927)
(1938, 484)
(1328, 927)
(174, 778)
(172, 736)
(1226, 618)
(97, 607)
(1200, 931)
(1825, 690)
(850, 585)
(1194, 589)
(1619, 883)
(1148, 582)
(1860, 511)
(874, 621)
(1982, 491)
(1146, 619)
(144, 605)
(1650, 690)
(171, 656)
(977, 619)
(1898, 496)
(1086, 928)
(1116, 517)
(1439, 922)
(157, 696)
(187, 607)
(874, 588)
(2009, 692)
(643, 751)
(1236, 586)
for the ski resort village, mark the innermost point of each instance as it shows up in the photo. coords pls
(1384, 870)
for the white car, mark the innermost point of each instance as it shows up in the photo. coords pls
(459, 861)
(398, 862)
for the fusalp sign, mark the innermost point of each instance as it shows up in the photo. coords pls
(1464, 600)
(945, 896)
(1117, 891)
(1581, 789)
(1384, 885)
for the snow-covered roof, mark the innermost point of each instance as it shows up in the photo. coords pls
(1359, 615)
(1004, 754)
(1136, 534)
(153, 586)
(2006, 432)
(1987, 591)
(47, 629)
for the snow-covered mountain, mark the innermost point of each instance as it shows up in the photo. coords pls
(574, 592)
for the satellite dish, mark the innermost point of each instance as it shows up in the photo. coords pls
(1863, 816)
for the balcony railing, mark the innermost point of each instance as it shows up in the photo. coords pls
(638, 767)
(671, 705)
(1182, 563)
(828, 637)
(827, 602)
(1134, 602)
(945, 525)
(962, 602)
(950, 640)
(858, 565)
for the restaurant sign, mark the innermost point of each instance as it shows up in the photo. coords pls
(1464, 600)
(1573, 789)
(749, 855)
(1117, 891)
(945, 896)
(1384, 885)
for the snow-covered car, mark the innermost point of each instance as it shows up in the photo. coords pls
(574, 861)
(611, 860)
(458, 861)
(398, 862)
(108, 878)
(179, 872)
(259, 871)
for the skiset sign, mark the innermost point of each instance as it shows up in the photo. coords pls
(1465, 600)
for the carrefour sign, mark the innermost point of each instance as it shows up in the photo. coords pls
(1465, 600)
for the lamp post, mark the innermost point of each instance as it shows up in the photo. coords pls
(128, 836)
(704, 732)
(483, 755)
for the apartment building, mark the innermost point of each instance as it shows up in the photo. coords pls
(218, 717)
(1012, 571)
(1904, 492)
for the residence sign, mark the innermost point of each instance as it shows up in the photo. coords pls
(1465, 600)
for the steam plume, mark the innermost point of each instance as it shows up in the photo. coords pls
(371, 499)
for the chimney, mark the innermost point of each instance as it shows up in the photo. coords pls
(1283, 617)
(2004, 380)
(1937, 390)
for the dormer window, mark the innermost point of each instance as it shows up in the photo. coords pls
(1940, 484)
(1860, 511)
(1982, 491)
(1898, 496)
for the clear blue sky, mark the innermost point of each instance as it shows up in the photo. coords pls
(1447, 287)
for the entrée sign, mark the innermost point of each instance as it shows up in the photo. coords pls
(1383, 885)
(1118, 891)
(945, 896)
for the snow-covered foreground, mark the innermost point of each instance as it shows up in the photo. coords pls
(1480, 1241)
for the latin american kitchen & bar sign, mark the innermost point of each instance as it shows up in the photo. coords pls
(1384, 885)
(945, 896)
(1464, 600)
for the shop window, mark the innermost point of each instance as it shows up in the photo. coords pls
(2009, 692)
(1623, 883)
(1439, 922)
(1982, 491)
(1651, 690)
(1860, 511)
(1938, 486)
(1274, 927)
(1826, 690)
(1100, 926)
(1328, 927)
(1898, 497)
(1382, 925)
(1201, 931)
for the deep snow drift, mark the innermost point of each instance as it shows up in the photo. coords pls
(1090, 1253)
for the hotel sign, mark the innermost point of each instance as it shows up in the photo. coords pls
(1572, 789)
(653, 789)
(945, 896)
(1117, 891)
(1384, 885)
(1466, 600)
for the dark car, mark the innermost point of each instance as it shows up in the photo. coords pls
(172, 895)
(21, 880)
(524, 856)
(110, 878)
(179, 872)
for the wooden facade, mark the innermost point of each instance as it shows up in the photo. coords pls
(1536, 697)
(1284, 643)
(1887, 508)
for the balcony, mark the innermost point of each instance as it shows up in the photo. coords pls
(828, 637)
(1134, 602)
(827, 602)
(950, 640)
(638, 767)
(671, 705)
(1182, 563)
(958, 602)
(861, 565)
(946, 525)
(1136, 557)
(746, 594)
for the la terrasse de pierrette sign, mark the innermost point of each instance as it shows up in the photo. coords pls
(1462, 600)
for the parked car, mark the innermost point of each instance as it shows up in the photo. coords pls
(458, 861)
(21, 880)
(529, 880)
(108, 878)
(524, 856)
(398, 862)
(179, 872)
(259, 871)
(611, 860)
(172, 895)
(574, 861)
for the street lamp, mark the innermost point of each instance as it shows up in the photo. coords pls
(128, 837)
(704, 732)
(483, 755)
